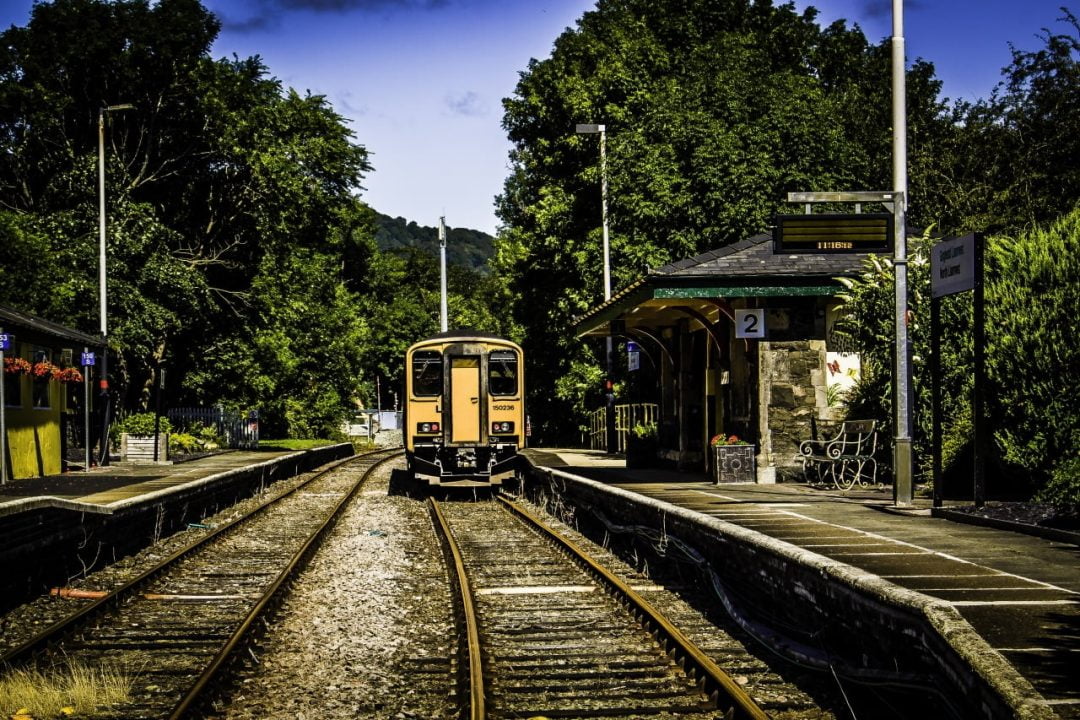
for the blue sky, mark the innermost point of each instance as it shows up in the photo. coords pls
(421, 81)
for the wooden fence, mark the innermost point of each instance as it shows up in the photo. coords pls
(238, 430)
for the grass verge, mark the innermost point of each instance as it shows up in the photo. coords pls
(72, 690)
(293, 444)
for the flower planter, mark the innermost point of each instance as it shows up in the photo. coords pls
(734, 464)
(140, 448)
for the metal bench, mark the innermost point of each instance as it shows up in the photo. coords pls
(843, 460)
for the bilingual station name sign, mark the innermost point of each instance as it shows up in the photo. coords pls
(952, 266)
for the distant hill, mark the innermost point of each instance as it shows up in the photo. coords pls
(464, 247)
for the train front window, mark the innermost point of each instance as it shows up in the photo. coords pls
(427, 373)
(503, 373)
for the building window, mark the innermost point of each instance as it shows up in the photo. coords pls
(13, 390)
(41, 387)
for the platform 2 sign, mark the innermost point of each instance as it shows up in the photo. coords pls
(838, 233)
(750, 323)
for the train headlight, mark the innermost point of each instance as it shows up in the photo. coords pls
(502, 427)
(427, 427)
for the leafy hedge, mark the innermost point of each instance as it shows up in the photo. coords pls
(1033, 352)
(141, 424)
(1032, 358)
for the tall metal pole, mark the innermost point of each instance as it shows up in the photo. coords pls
(612, 431)
(87, 369)
(102, 303)
(603, 215)
(978, 405)
(103, 380)
(443, 320)
(902, 451)
(609, 389)
(3, 419)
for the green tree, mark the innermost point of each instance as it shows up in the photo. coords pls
(233, 217)
(714, 111)
(469, 248)
(1032, 358)
(1013, 156)
(395, 318)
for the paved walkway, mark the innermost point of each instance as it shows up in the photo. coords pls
(1021, 593)
(119, 482)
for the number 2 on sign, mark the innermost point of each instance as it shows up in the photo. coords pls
(750, 323)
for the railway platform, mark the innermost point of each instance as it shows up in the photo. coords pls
(104, 486)
(56, 527)
(1020, 593)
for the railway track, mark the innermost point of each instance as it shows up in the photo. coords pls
(549, 632)
(175, 625)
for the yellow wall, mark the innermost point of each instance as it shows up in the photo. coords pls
(34, 435)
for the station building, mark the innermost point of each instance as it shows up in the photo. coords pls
(771, 389)
(43, 390)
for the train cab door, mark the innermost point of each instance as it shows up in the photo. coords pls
(465, 402)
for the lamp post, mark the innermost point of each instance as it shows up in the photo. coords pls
(103, 382)
(443, 312)
(609, 388)
(902, 452)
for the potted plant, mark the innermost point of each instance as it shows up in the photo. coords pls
(136, 435)
(733, 460)
(641, 445)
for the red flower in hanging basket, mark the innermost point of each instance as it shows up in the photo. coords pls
(69, 375)
(44, 370)
(17, 366)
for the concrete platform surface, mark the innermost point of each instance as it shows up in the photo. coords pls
(1021, 593)
(104, 486)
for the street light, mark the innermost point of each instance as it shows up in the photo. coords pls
(903, 461)
(102, 303)
(593, 129)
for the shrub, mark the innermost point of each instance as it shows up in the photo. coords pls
(139, 424)
(1064, 486)
(207, 435)
(1032, 357)
(184, 444)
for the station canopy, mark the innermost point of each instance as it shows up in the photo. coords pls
(27, 326)
(702, 288)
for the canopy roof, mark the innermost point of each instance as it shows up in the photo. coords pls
(701, 287)
(13, 321)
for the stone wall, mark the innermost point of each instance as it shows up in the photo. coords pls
(791, 393)
(816, 611)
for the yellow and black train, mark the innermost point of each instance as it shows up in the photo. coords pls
(464, 409)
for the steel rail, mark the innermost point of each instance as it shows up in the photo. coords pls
(64, 626)
(295, 564)
(477, 709)
(712, 678)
